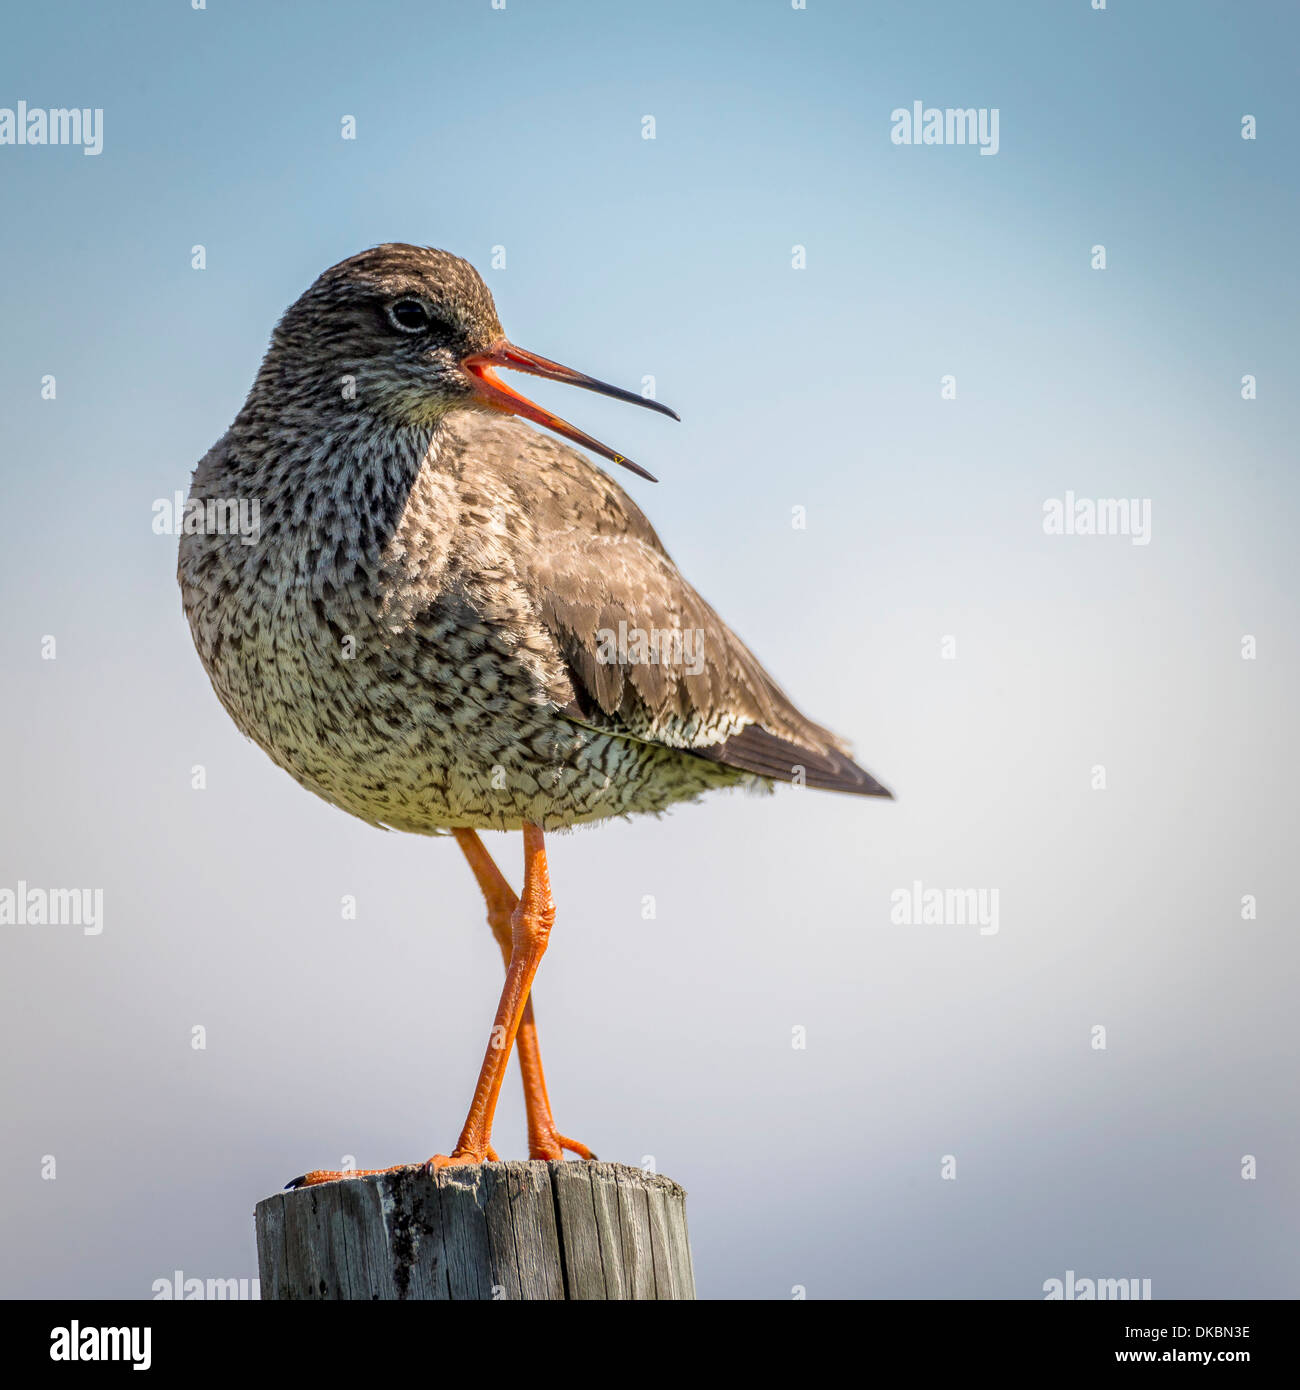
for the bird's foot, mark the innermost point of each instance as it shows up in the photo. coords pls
(320, 1175)
(462, 1155)
(551, 1144)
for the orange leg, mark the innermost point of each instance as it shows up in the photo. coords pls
(544, 1139)
(530, 929)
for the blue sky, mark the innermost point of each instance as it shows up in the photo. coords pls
(817, 388)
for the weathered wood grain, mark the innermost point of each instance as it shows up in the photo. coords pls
(524, 1230)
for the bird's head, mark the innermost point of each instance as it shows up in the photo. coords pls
(411, 333)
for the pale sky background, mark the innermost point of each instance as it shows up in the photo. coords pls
(816, 388)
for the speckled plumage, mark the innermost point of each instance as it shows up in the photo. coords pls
(415, 634)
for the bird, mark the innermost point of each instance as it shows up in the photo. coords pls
(448, 622)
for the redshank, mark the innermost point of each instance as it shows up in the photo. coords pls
(449, 622)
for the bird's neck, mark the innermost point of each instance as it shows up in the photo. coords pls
(338, 491)
(317, 454)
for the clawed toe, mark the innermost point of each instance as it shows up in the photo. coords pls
(320, 1175)
(553, 1146)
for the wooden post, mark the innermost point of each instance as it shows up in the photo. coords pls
(489, 1231)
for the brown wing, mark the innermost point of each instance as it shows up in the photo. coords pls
(648, 658)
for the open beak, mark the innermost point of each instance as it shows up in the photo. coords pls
(494, 393)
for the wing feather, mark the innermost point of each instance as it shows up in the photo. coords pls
(595, 570)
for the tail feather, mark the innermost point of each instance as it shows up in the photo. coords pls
(765, 754)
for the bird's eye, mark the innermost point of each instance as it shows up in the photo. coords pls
(409, 315)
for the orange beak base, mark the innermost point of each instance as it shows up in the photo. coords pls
(492, 392)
